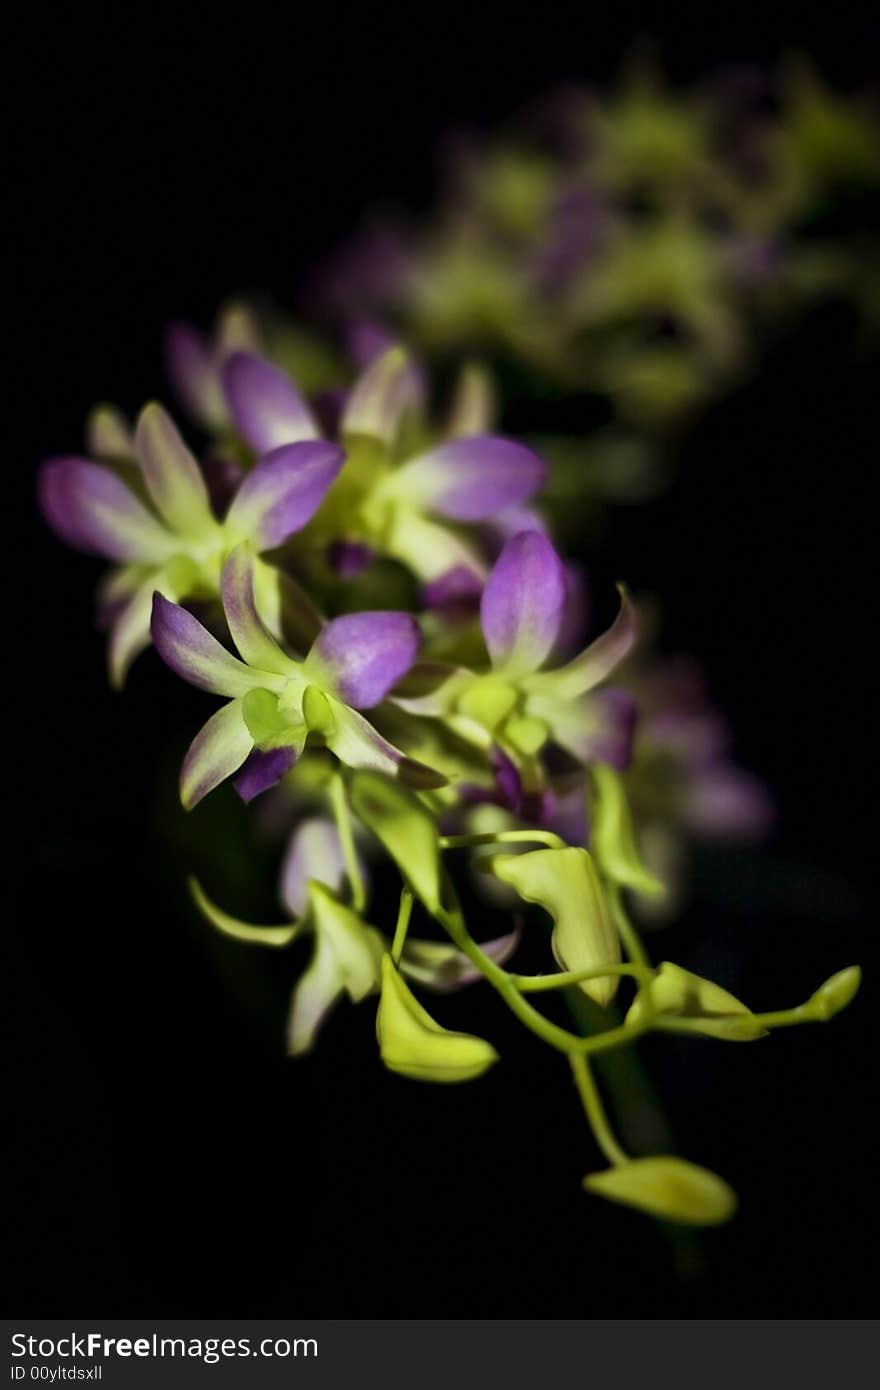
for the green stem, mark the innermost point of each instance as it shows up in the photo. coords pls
(403, 915)
(551, 1033)
(632, 942)
(531, 984)
(594, 1110)
(341, 813)
(490, 837)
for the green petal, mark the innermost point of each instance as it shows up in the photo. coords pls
(565, 882)
(242, 931)
(612, 835)
(354, 944)
(412, 1044)
(405, 828)
(318, 989)
(670, 1188)
(709, 1009)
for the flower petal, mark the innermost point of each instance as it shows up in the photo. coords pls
(108, 434)
(380, 396)
(565, 883)
(250, 634)
(470, 479)
(441, 967)
(130, 631)
(598, 727)
(196, 656)
(314, 852)
(413, 1044)
(283, 492)
(218, 750)
(474, 406)
(264, 768)
(91, 509)
(172, 475)
(267, 408)
(360, 656)
(191, 367)
(600, 658)
(523, 603)
(668, 1187)
(278, 937)
(357, 744)
(356, 946)
(318, 990)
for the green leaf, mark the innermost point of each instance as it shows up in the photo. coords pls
(412, 1044)
(612, 835)
(565, 882)
(405, 828)
(668, 1187)
(709, 1009)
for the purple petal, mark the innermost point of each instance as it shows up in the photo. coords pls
(727, 803)
(264, 769)
(472, 479)
(266, 406)
(459, 589)
(360, 656)
(283, 492)
(249, 633)
(598, 727)
(523, 603)
(172, 475)
(349, 558)
(217, 751)
(357, 744)
(314, 852)
(196, 656)
(192, 370)
(91, 509)
(367, 340)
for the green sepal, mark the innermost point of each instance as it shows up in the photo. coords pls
(357, 947)
(612, 835)
(412, 1044)
(565, 882)
(708, 1009)
(279, 936)
(835, 993)
(406, 829)
(667, 1187)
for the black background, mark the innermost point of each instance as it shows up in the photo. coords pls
(164, 1158)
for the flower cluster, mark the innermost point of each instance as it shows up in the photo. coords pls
(456, 728)
(632, 246)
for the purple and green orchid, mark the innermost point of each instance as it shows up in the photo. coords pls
(552, 773)
(145, 505)
(517, 708)
(275, 701)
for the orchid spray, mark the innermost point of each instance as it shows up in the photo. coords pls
(454, 729)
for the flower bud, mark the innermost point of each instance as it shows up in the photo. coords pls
(667, 1187)
(412, 1044)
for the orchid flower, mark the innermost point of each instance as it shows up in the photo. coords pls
(145, 505)
(275, 701)
(347, 951)
(517, 706)
(404, 504)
